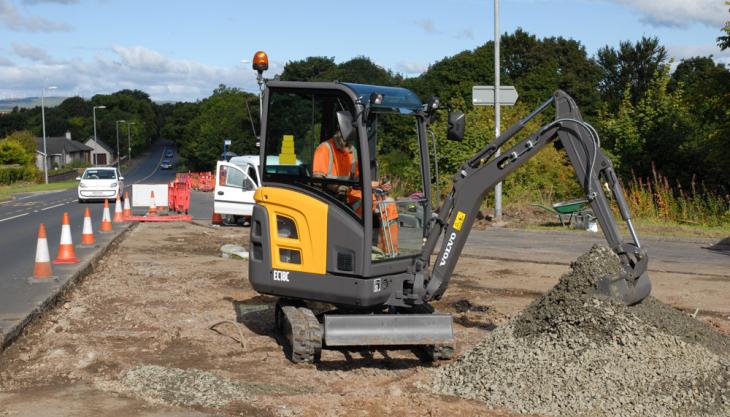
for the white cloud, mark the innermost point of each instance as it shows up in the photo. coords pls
(679, 52)
(12, 19)
(136, 67)
(4, 62)
(679, 13)
(411, 68)
(32, 53)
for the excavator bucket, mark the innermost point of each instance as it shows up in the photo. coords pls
(621, 289)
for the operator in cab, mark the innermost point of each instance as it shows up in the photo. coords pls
(335, 158)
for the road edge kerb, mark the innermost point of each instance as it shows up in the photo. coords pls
(86, 268)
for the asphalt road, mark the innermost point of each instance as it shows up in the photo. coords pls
(701, 257)
(19, 220)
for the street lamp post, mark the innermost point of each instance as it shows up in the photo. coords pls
(93, 111)
(43, 121)
(497, 116)
(129, 141)
(117, 123)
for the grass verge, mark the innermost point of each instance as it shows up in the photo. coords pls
(7, 191)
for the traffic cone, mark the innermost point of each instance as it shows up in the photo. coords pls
(66, 254)
(42, 267)
(118, 217)
(106, 220)
(153, 207)
(127, 208)
(216, 219)
(87, 235)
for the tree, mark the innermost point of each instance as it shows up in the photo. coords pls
(537, 67)
(25, 139)
(364, 71)
(724, 41)
(313, 68)
(632, 65)
(659, 130)
(357, 70)
(221, 116)
(12, 153)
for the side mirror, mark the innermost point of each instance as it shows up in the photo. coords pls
(121, 178)
(78, 178)
(457, 121)
(344, 121)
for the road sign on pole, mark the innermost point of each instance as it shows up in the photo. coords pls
(483, 95)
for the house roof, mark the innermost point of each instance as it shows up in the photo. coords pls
(101, 143)
(59, 145)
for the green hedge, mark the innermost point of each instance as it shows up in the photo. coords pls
(13, 173)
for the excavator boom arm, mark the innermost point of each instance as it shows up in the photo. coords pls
(481, 173)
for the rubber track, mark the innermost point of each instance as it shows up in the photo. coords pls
(306, 340)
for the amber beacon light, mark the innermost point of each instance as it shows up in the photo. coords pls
(260, 61)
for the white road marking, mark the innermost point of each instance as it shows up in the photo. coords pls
(50, 207)
(14, 217)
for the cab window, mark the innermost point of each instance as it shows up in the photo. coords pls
(253, 174)
(302, 150)
(236, 178)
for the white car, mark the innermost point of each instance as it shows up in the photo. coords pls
(99, 183)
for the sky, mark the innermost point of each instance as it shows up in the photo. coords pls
(182, 50)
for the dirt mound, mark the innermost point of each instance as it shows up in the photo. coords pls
(572, 354)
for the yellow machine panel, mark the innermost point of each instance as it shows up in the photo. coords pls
(297, 229)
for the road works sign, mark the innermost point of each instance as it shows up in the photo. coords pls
(483, 95)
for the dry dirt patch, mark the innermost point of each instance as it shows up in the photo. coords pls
(134, 338)
(138, 329)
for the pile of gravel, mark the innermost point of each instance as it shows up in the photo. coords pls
(573, 354)
(183, 387)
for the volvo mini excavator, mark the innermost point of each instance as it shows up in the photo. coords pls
(352, 265)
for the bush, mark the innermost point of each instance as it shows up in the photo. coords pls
(13, 173)
(12, 152)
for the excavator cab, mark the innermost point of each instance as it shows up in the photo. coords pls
(349, 254)
(322, 219)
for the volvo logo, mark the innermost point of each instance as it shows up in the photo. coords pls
(449, 244)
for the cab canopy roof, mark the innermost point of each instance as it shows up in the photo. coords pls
(395, 99)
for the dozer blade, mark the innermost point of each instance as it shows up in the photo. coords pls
(619, 288)
(388, 329)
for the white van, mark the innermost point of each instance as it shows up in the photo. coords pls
(235, 183)
(237, 180)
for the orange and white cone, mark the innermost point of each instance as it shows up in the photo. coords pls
(66, 254)
(87, 234)
(118, 216)
(106, 220)
(127, 212)
(42, 267)
(216, 219)
(153, 207)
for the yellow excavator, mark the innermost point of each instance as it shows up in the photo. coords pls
(358, 271)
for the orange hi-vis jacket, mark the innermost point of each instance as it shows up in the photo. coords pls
(333, 162)
(336, 163)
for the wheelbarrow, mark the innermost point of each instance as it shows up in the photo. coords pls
(572, 212)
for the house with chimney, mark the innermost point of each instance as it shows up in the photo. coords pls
(61, 151)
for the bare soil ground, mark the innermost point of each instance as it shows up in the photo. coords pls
(134, 339)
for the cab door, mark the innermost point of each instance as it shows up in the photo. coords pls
(234, 189)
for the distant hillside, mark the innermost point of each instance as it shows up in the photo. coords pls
(7, 105)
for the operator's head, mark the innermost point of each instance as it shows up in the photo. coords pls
(339, 139)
